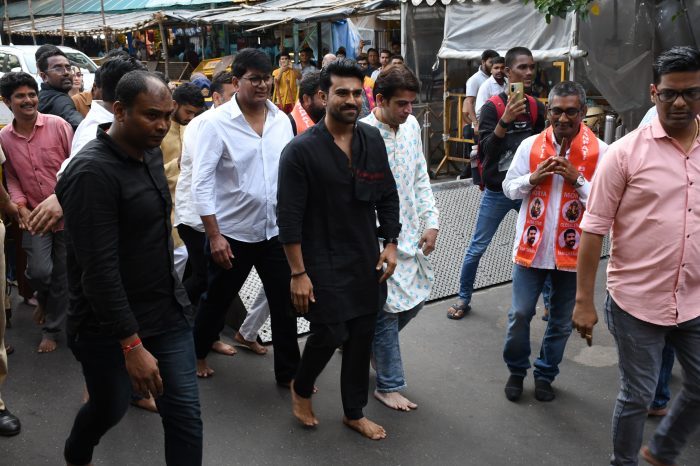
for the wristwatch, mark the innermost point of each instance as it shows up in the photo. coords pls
(503, 124)
(580, 181)
(391, 241)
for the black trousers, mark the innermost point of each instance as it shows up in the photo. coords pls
(271, 264)
(196, 283)
(355, 336)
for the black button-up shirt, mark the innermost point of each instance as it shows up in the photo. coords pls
(121, 274)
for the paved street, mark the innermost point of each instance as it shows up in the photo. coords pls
(454, 370)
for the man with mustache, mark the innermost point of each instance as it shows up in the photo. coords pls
(56, 71)
(495, 85)
(335, 183)
(35, 145)
(556, 166)
(130, 319)
(646, 192)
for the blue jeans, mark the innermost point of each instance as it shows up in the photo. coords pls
(547, 294)
(663, 392)
(109, 387)
(386, 350)
(492, 210)
(640, 348)
(527, 286)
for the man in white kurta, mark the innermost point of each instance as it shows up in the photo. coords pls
(409, 287)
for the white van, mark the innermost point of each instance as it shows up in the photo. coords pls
(21, 58)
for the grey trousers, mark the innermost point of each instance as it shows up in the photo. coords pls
(46, 270)
(640, 346)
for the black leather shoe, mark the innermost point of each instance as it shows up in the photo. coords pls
(543, 390)
(514, 387)
(9, 424)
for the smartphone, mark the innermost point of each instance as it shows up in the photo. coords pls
(517, 92)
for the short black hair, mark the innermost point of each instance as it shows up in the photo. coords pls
(362, 56)
(371, 49)
(43, 49)
(115, 53)
(395, 78)
(189, 94)
(134, 83)
(309, 84)
(43, 61)
(340, 50)
(532, 227)
(218, 81)
(283, 53)
(498, 60)
(514, 53)
(251, 59)
(97, 80)
(396, 56)
(307, 50)
(112, 71)
(488, 53)
(162, 76)
(341, 67)
(676, 59)
(387, 51)
(10, 82)
(568, 231)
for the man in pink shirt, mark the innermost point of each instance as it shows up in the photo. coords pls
(647, 190)
(35, 146)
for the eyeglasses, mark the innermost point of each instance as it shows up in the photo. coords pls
(570, 112)
(258, 80)
(670, 95)
(61, 68)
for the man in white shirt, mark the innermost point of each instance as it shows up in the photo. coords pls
(495, 85)
(554, 167)
(48, 213)
(234, 191)
(409, 287)
(384, 59)
(473, 84)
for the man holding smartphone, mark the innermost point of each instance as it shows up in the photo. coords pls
(504, 123)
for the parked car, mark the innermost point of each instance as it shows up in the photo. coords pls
(21, 58)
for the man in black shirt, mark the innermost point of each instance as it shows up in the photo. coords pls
(334, 183)
(501, 132)
(56, 71)
(129, 321)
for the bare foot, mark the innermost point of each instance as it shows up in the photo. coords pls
(366, 427)
(254, 346)
(47, 345)
(86, 395)
(149, 404)
(395, 400)
(302, 409)
(203, 369)
(222, 348)
(38, 315)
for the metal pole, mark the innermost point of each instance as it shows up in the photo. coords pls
(63, 21)
(426, 135)
(9, 28)
(31, 16)
(104, 25)
(164, 46)
(609, 135)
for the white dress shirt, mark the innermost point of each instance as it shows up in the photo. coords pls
(234, 171)
(488, 89)
(87, 130)
(517, 185)
(185, 212)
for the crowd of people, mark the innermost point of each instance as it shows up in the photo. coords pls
(142, 219)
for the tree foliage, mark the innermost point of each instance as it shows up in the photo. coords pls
(560, 8)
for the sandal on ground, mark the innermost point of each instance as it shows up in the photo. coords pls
(458, 310)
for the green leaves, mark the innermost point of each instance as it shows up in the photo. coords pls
(561, 8)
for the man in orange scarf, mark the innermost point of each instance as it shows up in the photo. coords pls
(553, 170)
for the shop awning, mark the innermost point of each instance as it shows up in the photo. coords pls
(53, 7)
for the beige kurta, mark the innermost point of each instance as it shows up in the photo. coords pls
(172, 150)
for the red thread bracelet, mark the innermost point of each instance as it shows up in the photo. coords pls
(126, 349)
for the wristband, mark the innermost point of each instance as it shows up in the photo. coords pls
(503, 124)
(126, 349)
(299, 274)
(391, 241)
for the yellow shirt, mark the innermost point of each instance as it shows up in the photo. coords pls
(172, 149)
(286, 89)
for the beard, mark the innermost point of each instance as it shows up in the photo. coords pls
(316, 113)
(338, 115)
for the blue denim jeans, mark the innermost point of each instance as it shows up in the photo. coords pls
(109, 387)
(527, 286)
(386, 350)
(492, 210)
(640, 348)
(663, 393)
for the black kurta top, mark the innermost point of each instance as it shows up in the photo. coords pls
(332, 210)
(121, 275)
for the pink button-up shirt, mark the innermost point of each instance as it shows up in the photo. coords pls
(32, 163)
(647, 189)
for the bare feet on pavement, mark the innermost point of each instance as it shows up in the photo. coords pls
(38, 315)
(47, 345)
(302, 409)
(254, 346)
(366, 427)
(222, 348)
(203, 369)
(395, 400)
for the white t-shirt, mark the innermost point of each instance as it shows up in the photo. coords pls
(488, 89)
(475, 82)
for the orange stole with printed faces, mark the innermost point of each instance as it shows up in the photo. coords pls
(583, 154)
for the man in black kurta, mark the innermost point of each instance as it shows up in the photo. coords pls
(334, 183)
